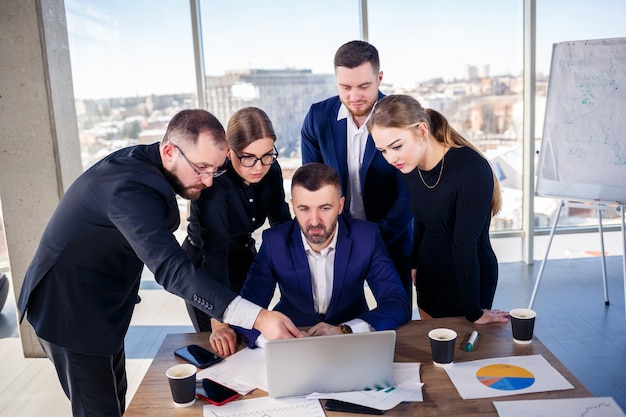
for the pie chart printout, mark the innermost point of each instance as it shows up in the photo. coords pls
(505, 377)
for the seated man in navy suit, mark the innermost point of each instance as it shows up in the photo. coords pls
(320, 262)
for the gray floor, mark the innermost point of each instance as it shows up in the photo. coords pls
(573, 321)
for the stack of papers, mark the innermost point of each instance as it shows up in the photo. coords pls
(408, 388)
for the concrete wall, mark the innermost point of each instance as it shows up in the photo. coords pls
(39, 147)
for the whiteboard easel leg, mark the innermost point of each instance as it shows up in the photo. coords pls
(604, 281)
(545, 257)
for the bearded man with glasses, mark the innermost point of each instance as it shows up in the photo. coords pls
(80, 289)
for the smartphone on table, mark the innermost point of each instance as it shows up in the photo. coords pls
(337, 405)
(214, 392)
(197, 355)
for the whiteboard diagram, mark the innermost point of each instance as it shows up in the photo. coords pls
(583, 151)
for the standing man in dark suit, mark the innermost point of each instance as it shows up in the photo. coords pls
(320, 262)
(81, 287)
(334, 133)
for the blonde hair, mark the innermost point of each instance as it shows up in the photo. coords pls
(405, 112)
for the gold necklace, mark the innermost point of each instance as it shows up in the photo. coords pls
(443, 158)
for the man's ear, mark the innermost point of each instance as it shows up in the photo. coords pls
(167, 151)
(342, 200)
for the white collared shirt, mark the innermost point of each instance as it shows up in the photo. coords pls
(322, 267)
(356, 139)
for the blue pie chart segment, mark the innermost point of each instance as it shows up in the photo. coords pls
(505, 377)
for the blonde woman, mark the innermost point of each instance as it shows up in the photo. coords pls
(454, 194)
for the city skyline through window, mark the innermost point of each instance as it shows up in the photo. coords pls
(132, 64)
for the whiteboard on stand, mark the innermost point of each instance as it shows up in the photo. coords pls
(583, 149)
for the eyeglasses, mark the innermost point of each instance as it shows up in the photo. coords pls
(201, 174)
(249, 161)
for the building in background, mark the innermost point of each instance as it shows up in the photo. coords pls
(285, 95)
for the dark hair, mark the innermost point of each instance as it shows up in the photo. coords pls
(314, 175)
(187, 125)
(356, 53)
(405, 112)
(247, 125)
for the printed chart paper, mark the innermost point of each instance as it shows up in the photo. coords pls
(267, 407)
(499, 377)
(567, 407)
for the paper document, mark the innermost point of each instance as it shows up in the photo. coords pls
(240, 365)
(408, 388)
(382, 399)
(566, 407)
(407, 376)
(267, 407)
(499, 377)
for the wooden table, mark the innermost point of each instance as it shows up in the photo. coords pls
(412, 345)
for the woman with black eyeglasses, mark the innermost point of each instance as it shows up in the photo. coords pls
(222, 220)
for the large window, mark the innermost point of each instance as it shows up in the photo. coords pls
(464, 59)
(132, 68)
(133, 65)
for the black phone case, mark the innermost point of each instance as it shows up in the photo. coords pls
(197, 356)
(336, 405)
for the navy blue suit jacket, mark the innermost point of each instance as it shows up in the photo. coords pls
(386, 197)
(81, 287)
(360, 256)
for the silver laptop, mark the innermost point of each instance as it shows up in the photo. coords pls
(347, 362)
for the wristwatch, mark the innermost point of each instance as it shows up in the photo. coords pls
(345, 329)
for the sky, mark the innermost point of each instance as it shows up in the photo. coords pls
(136, 47)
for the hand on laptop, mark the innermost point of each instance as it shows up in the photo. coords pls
(324, 329)
(275, 325)
(223, 339)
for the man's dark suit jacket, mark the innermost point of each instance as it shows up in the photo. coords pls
(360, 256)
(386, 197)
(81, 287)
